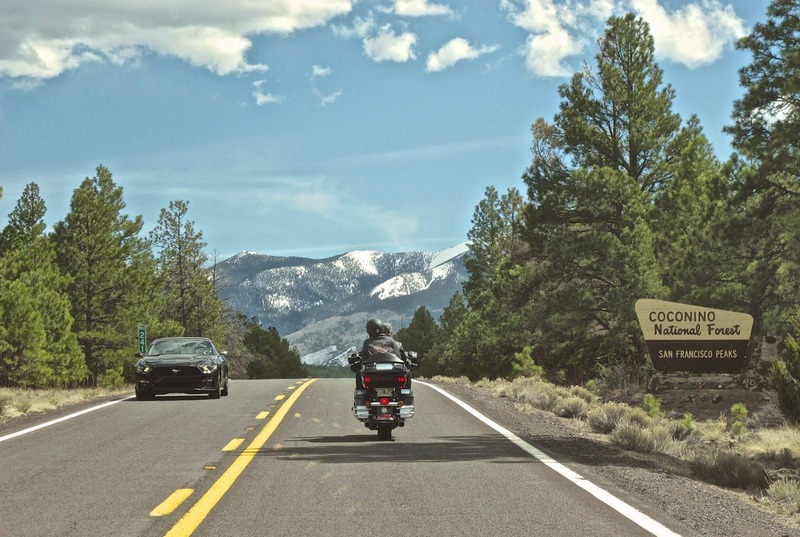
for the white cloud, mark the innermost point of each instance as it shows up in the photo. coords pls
(263, 98)
(419, 8)
(318, 71)
(332, 202)
(549, 41)
(325, 100)
(389, 46)
(41, 40)
(694, 35)
(362, 27)
(456, 50)
(557, 30)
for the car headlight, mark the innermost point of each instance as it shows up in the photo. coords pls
(143, 368)
(208, 368)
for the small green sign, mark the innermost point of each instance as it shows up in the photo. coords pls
(142, 338)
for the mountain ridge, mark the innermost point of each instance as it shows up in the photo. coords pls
(321, 305)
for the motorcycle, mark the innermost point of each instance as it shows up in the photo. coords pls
(386, 400)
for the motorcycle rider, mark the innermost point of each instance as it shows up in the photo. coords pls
(377, 342)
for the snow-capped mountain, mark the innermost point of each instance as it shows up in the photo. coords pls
(322, 305)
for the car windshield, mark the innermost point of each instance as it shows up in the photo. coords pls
(159, 348)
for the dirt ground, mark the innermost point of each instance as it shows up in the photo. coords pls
(711, 403)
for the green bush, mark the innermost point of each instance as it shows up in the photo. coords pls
(683, 429)
(652, 405)
(525, 366)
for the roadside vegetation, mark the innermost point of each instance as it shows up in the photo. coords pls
(730, 451)
(20, 402)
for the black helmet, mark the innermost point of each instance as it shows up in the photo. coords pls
(374, 327)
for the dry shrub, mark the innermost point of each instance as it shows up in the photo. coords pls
(714, 431)
(605, 418)
(638, 417)
(583, 393)
(684, 428)
(662, 437)
(632, 437)
(571, 407)
(779, 444)
(729, 469)
(785, 493)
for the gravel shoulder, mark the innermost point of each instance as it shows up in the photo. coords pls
(659, 481)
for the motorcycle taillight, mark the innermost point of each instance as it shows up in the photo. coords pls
(401, 379)
(366, 380)
(384, 400)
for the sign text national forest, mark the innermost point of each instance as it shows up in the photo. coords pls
(681, 337)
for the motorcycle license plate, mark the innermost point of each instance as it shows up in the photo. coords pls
(384, 392)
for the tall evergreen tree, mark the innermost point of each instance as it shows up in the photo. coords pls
(766, 122)
(29, 268)
(273, 357)
(592, 186)
(420, 335)
(109, 266)
(191, 297)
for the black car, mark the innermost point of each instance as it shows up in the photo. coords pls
(181, 365)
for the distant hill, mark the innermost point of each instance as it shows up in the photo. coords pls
(322, 305)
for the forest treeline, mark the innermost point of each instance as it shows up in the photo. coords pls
(71, 300)
(624, 199)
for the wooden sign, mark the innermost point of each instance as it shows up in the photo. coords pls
(681, 337)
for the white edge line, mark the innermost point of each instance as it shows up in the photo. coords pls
(629, 512)
(59, 420)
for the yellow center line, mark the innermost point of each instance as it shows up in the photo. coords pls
(171, 503)
(233, 445)
(192, 519)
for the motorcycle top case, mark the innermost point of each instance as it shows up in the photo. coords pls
(385, 370)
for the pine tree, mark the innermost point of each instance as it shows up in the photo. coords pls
(191, 297)
(765, 133)
(29, 261)
(592, 185)
(100, 249)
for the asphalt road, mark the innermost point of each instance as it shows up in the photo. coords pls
(304, 467)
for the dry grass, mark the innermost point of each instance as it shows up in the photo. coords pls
(785, 494)
(713, 449)
(781, 444)
(16, 402)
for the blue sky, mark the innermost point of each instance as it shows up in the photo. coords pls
(316, 127)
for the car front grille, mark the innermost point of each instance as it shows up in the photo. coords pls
(175, 376)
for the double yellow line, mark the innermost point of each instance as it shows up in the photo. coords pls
(199, 511)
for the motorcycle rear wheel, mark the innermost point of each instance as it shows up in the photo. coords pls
(385, 432)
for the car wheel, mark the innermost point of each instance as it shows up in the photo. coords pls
(217, 390)
(225, 388)
(144, 396)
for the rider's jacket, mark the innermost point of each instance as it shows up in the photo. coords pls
(380, 344)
